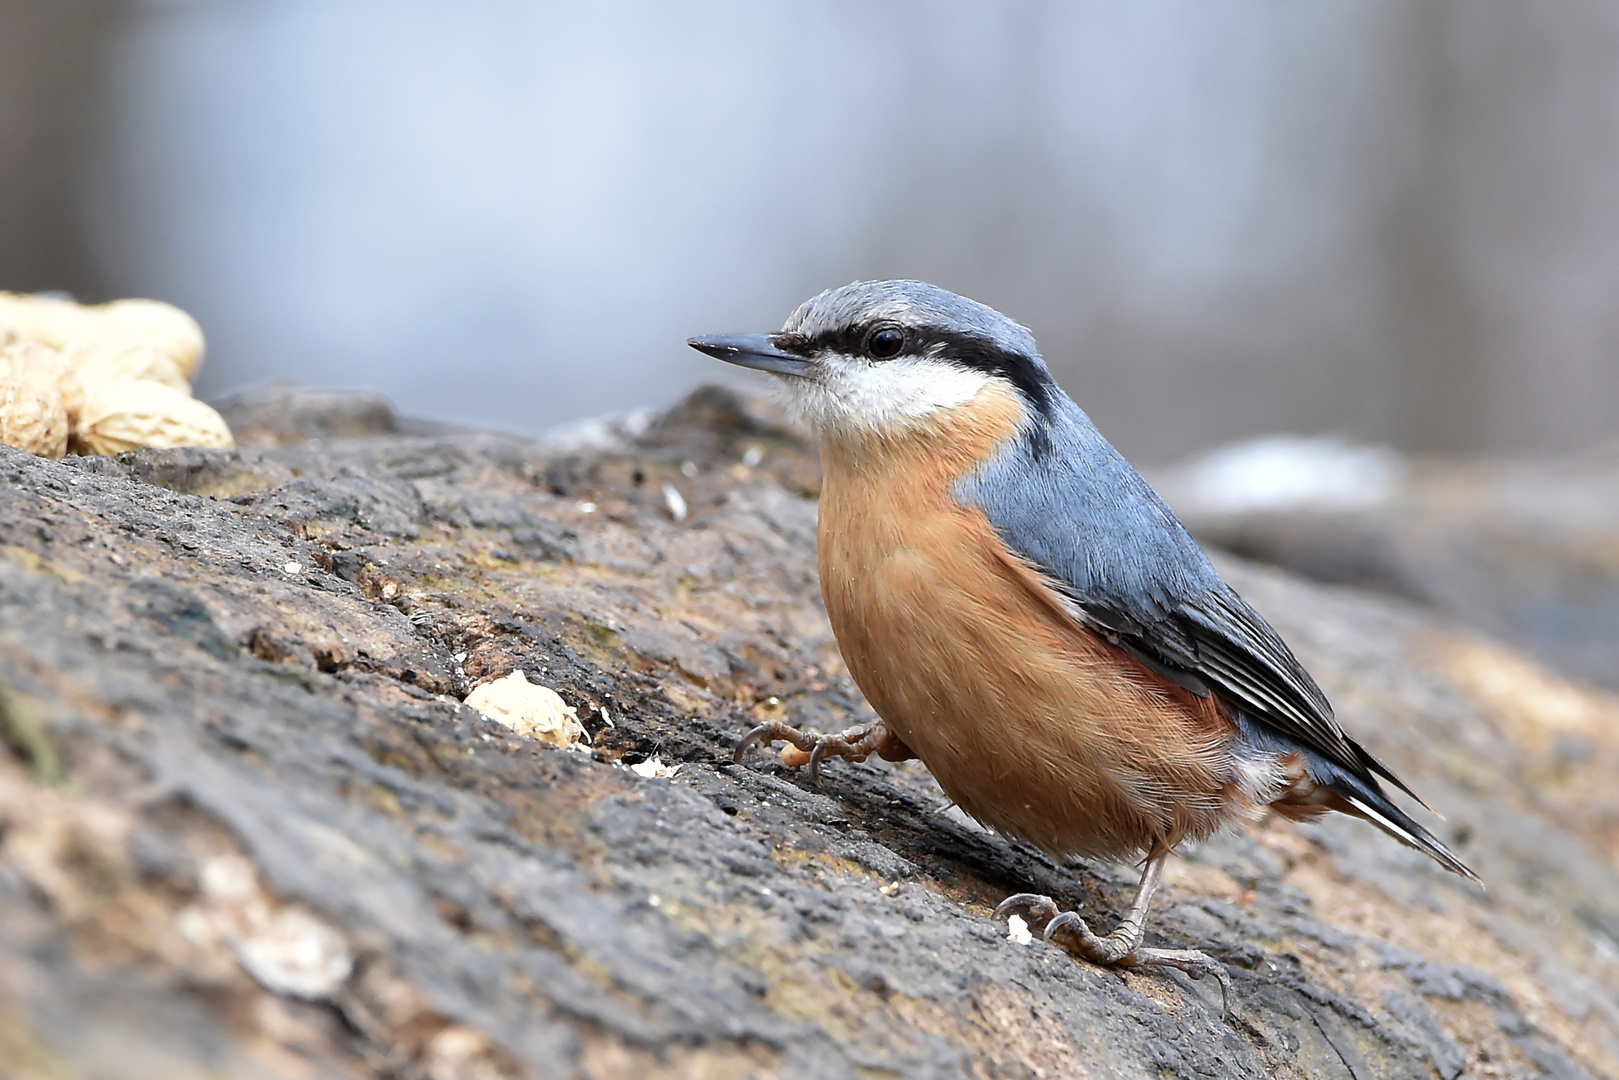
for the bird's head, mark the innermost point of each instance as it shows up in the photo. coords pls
(880, 356)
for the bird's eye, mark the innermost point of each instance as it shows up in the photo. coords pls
(885, 342)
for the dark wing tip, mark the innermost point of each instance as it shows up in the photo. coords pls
(1373, 765)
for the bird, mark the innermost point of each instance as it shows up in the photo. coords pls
(1028, 617)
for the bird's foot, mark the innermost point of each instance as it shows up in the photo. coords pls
(812, 747)
(1122, 948)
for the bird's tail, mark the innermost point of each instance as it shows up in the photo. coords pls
(1367, 800)
(1360, 795)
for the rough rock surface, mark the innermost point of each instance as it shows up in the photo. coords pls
(247, 829)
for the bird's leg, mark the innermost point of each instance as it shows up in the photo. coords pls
(811, 747)
(1068, 931)
(1122, 947)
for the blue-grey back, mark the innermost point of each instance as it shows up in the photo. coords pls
(1068, 501)
(1061, 497)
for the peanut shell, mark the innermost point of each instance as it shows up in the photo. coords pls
(122, 323)
(97, 363)
(129, 413)
(44, 365)
(34, 362)
(32, 417)
(101, 362)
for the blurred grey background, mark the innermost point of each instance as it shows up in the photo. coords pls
(1398, 222)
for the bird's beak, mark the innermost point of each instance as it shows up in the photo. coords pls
(752, 351)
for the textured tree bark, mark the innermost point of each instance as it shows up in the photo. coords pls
(248, 829)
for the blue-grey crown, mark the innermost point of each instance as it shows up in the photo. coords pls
(937, 325)
(911, 304)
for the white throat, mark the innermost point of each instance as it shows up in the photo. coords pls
(852, 395)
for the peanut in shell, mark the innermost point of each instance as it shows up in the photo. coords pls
(130, 413)
(32, 417)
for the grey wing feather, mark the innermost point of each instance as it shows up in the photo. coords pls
(1069, 504)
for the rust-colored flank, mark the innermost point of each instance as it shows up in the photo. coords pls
(1057, 736)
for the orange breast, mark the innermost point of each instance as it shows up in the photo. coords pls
(1032, 724)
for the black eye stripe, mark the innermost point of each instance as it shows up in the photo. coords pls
(1025, 373)
(968, 350)
(849, 340)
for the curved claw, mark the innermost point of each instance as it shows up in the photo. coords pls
(1040, 909)
(1063, 919)
(1195, 964)
(1123, 947)
(855, 744)
(750, 740)
(1075, 925)
(815, 760)
(1070, 933)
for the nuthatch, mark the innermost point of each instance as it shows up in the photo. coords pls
(1029, 618)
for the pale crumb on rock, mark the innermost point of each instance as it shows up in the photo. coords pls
(295, 953)
(653, 767)
(286, 948)
(675, 502)
(531, 710)
(453, 1049)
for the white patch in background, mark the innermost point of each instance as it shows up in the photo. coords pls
(852, 395)
(1287, 472)
(1017, 930)
(612, 432)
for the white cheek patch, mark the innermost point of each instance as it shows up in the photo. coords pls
(855, 395)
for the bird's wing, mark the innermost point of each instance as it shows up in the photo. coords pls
(1217, 640)
(1125, 567)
